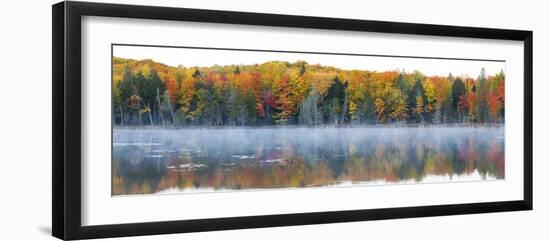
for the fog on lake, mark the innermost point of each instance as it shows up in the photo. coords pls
(147, 161)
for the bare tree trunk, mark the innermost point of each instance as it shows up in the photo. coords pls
(344, 110)
(160, 108)
(139, 111)
(121, 117)
(150, 117)
(154, 113)
(170, 106)
(241, 112)
(220, 117)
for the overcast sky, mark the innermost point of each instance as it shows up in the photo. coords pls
(206, 58)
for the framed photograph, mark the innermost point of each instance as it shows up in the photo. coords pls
(170, 120)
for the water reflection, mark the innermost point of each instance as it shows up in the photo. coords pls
(150, 161)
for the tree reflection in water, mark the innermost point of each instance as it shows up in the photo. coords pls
(150, 161)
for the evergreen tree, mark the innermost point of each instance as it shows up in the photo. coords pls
(482, 111)
(250, 105)
(402, 83)
(125, 87)
(458, 90)
(197, 73)
(303, 69)
(333, 102)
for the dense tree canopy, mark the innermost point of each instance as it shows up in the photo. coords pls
(283, 93)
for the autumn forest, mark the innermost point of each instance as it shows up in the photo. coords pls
(149, 93)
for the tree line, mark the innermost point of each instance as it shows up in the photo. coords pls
(282, 93)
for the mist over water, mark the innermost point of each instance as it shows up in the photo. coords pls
(148, 161)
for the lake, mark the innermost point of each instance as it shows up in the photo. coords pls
(148, 161)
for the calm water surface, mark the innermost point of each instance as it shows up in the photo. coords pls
(187, 160)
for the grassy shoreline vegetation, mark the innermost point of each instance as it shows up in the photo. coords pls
(277, 93)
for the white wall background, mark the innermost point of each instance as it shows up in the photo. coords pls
(25, 124)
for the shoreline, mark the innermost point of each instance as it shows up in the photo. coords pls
(373, 126)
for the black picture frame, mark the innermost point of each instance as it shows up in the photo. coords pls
(66, 127)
